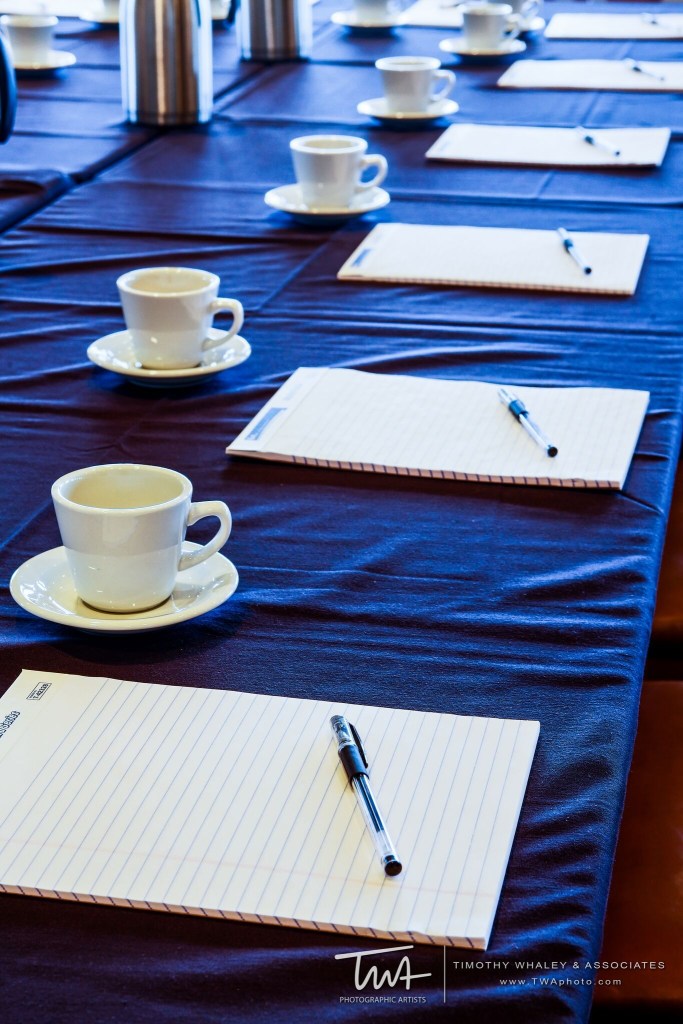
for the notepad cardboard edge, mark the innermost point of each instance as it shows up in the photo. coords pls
(568, 484)
(420, 938)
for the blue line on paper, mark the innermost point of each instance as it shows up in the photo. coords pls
(361, 256)
(267, 418)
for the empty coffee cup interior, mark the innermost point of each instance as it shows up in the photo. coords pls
(481, 7)
(29, 22)
(122, 487)
(327, 144)
(167, 281)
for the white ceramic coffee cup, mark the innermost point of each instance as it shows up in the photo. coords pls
(328, 169)
(408, 82)
(486, 26)
(110, 7)
(168, 313)
(30, 36)
(123, 526)
(526, 9)
(375, 10)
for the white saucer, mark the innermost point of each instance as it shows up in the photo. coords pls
(377, 108)
(287, 199)
(56, 59)
(457, 45)
(115, 353)
(99, 18)
(353, 20)
(43, 587)
(535, 25)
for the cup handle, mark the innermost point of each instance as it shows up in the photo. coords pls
(514, 26)
(199, 510)
(374, 160)
(449, 80)
(237, 320)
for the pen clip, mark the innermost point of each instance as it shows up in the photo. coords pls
(359, 744)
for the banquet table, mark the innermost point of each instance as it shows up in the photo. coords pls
(465, 598)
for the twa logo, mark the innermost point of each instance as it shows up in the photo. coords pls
(365, 974)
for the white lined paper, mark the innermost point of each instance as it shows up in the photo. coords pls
(517, 258)
(448, 429)
(550, 147)
(235, 805)
(610, 75)
(615, 26)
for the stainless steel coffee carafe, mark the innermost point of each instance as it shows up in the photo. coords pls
(8, 91)
(273, 30)
(166, 61)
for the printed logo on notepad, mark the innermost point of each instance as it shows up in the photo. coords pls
(38, 691)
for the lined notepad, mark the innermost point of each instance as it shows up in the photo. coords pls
(235, 805)
(615, 26)
(611, 75)
(458, 430)
(550, 147)
(496, 258)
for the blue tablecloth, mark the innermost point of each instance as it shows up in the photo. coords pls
(72, 123)
(23, 192)
(464, 598)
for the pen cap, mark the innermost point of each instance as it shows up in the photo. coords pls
(350, 748)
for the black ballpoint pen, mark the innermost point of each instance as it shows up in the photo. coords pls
(635, 66)
(352, 756)
(598, 143)
(570, 247)
(518, 409)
